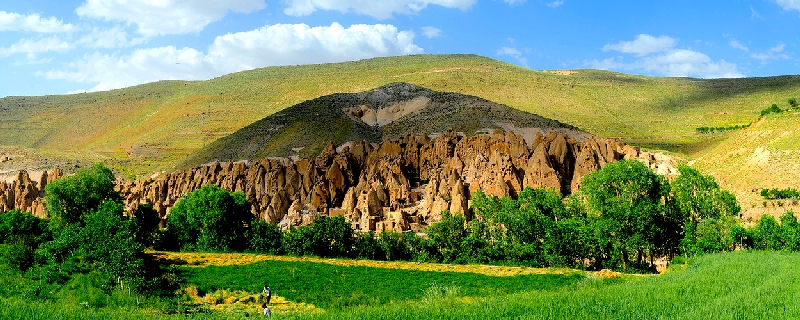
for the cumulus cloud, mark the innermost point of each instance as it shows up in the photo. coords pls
(31, 46)
(10, 21)
(643, 44)
(376, 9)
(658, 56)
(431, 32)
(774, 53)
(166, 16)
(789, 4)
(143, 65)
(280, 44)
(115, 37)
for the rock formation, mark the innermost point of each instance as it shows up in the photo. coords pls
(401, 184)
(25, 194)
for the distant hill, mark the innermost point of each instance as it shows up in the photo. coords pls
(383, 113)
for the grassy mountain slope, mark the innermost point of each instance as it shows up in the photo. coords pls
(401, 108)
(765, 155)
(155, 126)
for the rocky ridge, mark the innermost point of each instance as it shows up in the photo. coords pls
(400, 184)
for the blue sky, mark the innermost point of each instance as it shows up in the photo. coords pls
(57, 47)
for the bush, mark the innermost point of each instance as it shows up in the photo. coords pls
(775, 194)
(772, 109)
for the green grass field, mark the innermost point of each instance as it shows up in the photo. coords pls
(734, 285)
(334, 287)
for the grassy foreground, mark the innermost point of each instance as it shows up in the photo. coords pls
(735, 285)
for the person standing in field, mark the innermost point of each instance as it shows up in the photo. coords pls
(267, 311)
(268, 293)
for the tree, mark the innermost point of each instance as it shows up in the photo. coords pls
(68, 199)
(447, 235)
(264, 237)
(210, 218)
(627, 196)
(331, 236)
(22, 233)
(699, 197)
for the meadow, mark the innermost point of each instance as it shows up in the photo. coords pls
(732, 285)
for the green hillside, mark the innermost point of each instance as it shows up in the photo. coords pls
(390, 111)
(154, 126)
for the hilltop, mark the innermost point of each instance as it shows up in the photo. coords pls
(389, 112)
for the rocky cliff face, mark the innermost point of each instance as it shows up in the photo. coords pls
(25, 194)
(400, 184)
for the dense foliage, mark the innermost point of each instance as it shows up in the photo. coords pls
(774, 194)
(209, 219)
(87, 243)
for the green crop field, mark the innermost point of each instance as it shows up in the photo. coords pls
(734, 285)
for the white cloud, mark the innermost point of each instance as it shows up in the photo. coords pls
(774, 53)
(555, 4)
(31, 47)
(754, 14)
(789, 4)
(514, 53)
(115, 37)
(280, 44)
(738, 45)
(431, 32)
(658, 56)
(166, 16)
(513, 2)
(376, 9)
(644, 44)
(143, 65)
(11, 21)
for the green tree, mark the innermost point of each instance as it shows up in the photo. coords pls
(767, 234)
(331, 236)
(626, 197)
(22, 233)
(264, 237)
(210, 218)
(68, 199)
(791, 231)
(447, 235)
(699, 197)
